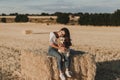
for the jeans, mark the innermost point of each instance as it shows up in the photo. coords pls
(54, 52)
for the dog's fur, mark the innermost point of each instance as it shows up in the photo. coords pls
(63, 42)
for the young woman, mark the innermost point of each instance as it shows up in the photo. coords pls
(53, 51)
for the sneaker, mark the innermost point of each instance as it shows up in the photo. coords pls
(68, 73)
(62, 77)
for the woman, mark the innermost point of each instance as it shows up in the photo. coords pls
(53, 51)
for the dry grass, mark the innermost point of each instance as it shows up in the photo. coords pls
(100, 41)
(103, 42)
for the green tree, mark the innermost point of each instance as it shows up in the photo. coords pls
(3, 20)
(3, 14)
(116, 18)
(13, 14)
(44, 14)
(63, 18)
(84, 19)
(21, 18)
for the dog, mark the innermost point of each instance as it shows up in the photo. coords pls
(64, 42)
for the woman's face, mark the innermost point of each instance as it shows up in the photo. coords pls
(61, 33)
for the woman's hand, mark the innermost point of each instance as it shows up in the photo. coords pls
(62, 49)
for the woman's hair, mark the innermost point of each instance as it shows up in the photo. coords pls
(67, 32)
(67, 35)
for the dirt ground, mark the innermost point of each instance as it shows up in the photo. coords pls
(103, 42)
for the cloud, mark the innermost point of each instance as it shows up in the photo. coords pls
(58, 5)
(38, 6)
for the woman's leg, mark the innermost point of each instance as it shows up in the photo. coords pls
(55, 53)
(67, 65)
(67, 61)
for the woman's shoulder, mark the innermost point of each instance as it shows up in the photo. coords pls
(52, 34)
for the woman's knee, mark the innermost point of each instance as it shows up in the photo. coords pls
(55, 54)
(59, 57)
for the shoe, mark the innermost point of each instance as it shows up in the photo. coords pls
(68, 73)
(62, 76)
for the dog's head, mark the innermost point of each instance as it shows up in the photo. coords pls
(62, 40)
(65, 41)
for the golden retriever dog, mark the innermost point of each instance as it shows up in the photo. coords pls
(62, 42)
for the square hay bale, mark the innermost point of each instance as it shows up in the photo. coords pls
(27, 32)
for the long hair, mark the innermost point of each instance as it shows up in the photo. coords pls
(67, 35)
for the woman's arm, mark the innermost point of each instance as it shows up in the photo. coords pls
(54, 45)
(52, 42)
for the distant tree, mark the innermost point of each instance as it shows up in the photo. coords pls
(57, 13)
(84, 19)
(3, 14)
(78, 14)
(3, 20)
(116, 18)
(44, 14)
(21, 18)
(27, 14)
(63, 18)
(13, 14)
(107, 19)
(100, 19)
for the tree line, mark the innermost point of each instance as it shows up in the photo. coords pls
(96, 19)
(18, 18)
(101, 19)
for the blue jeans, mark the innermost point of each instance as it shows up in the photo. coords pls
(54, 52)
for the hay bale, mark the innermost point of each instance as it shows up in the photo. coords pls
(27, 32)
(40, 67)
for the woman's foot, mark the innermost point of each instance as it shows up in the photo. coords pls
(68, 73)
(62, 76)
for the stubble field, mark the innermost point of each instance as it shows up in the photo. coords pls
(102, 42)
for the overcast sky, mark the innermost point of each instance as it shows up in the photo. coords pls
(51, 6)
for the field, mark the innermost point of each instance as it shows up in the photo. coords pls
(102, 42)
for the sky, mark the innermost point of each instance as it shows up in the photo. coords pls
(52, 6)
